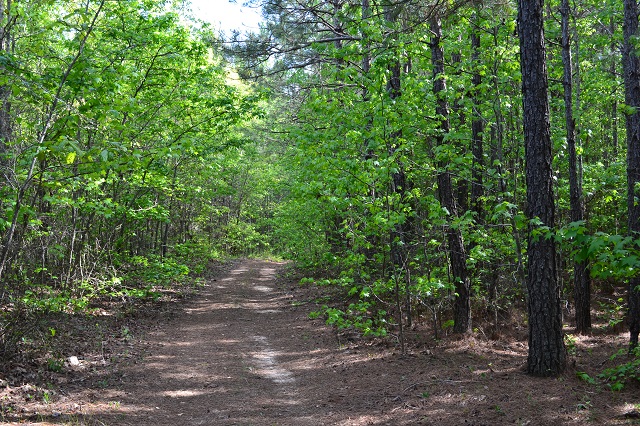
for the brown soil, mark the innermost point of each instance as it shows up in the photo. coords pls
(244, 352)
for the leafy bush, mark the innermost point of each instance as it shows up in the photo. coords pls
(297, 235)
(195, 254)
(242, 238)
(619, 375)
(359, 316)
(609, 255)
(154, 270)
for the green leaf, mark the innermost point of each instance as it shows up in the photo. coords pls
(71, 157)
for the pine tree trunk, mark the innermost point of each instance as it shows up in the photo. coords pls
(547, 353)
(631, 68)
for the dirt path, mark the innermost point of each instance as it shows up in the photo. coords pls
(244, 352)
(240, 355)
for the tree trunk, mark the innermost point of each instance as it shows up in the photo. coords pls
(614, 101)
(581, 278)
(457, 253)
(477, 130)
(6, 133)
(631, 69)
(497, 135)
(398, 180)
(547, 353)
(460, 114)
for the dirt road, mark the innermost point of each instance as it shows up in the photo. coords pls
(241, 354)
(244, 352)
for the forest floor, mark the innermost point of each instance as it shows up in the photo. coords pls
(243, 351)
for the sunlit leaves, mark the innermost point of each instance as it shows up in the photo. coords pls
(123, 123)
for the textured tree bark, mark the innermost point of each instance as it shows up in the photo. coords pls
(581, 278)
(457, 253)
(631, 69)
(547, 353)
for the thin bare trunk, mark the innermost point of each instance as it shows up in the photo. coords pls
(42, 134)
(581, 279)
(477, 130)
(457, 253)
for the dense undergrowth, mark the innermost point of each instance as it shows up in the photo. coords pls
(29, 315)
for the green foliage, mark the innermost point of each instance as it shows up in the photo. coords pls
(585, 377)
(570, 343)
(358, 316)
(241, 238)
(298, 235)
(55, 365)
(154, 270)
(618, 376)
(48, 299)
(432, 288)
(609, 256)
(614, 311)
(194, 255)
(363, 315)
(123, 157)
(349, 143)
